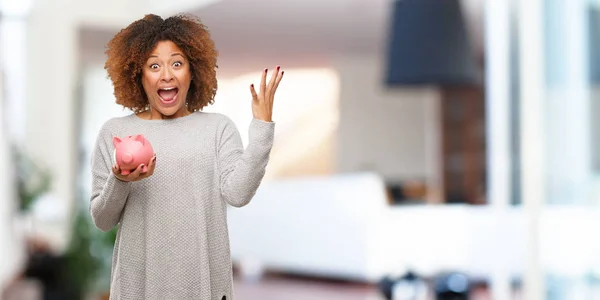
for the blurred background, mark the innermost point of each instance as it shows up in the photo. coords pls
(425, 149)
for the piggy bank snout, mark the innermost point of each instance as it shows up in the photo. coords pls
(127, 158)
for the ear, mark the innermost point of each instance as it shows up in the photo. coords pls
(140, 138)
(116, 140)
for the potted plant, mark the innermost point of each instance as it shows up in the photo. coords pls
(89, 254)
(32, 181)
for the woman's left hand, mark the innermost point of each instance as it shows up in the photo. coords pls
(262, 104)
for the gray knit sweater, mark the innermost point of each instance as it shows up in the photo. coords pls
(173, 241)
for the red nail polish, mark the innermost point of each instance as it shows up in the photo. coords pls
(252, 85)
(278, 68)
(266, 70)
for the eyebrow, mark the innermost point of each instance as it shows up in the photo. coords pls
(174, 54)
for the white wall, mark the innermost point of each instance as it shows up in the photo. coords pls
(51, 67)
(10, 251)
(174, 6)
(392, 131)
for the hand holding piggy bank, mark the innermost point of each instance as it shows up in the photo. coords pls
(131, 152)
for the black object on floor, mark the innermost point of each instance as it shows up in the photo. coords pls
(50, 271)
(409, 286)
(452, 286)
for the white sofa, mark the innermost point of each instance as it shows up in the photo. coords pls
(325, 226)
(342, 227)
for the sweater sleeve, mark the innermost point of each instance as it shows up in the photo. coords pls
(109, 194)
(241, 171)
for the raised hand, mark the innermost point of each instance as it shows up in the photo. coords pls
(262, 104)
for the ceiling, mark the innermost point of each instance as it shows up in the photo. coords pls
(300, 32)
(250, 34)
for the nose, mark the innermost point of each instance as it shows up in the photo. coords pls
(166, 75)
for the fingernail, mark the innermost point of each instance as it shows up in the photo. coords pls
(154, 159)
(278, 68)
(142, 165)
(282, 72)
(266, 70)
(252, 85)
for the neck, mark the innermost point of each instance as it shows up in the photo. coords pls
(154, 114)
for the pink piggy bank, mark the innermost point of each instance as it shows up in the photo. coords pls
(132, 151)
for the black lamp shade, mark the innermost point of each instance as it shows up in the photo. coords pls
(429, 45)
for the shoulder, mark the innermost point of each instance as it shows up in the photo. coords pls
(217, 120)
(221, 125)
(214, 116)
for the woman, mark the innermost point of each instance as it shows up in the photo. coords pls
(173, 241)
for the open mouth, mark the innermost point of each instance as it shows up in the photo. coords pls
(168, 96)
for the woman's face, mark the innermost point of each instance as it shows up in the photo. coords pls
(166, 80)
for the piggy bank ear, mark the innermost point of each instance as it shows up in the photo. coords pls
(116, 140)
(140, 138)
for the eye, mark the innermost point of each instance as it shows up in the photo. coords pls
(154, 66)
(177, 64)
